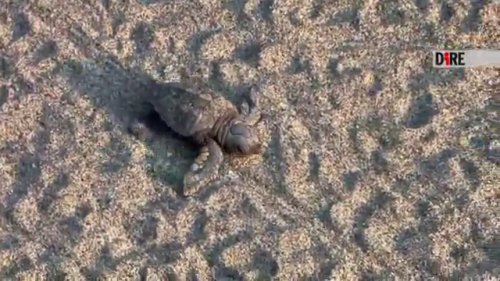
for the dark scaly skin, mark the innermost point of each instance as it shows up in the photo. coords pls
(212, 122)
(193, 113)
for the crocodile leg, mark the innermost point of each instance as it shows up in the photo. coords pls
(204, 169)
(250, 108)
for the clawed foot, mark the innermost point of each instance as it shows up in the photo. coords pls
(204, 169)
(250, 108)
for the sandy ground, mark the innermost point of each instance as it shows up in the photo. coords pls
(377, 166)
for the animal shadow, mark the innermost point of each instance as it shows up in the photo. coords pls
(121, 92)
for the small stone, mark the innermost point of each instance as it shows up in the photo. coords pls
(340, 68)
(464, 141)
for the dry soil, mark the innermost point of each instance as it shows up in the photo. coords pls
(377, 165)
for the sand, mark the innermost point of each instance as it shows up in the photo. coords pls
(377, 166)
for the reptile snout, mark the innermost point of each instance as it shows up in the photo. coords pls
(243, 139)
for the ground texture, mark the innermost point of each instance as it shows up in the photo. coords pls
(377, 166)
